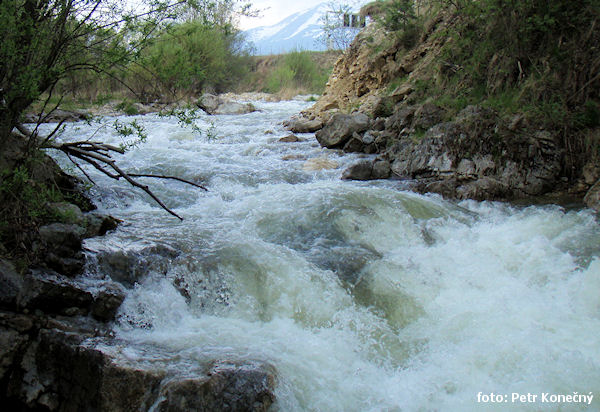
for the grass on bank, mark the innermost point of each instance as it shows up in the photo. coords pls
(536, 58)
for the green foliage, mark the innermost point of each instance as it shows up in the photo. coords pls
(23, 207)
(399, 16)
(192, 56)
(520, 56)
(297, 70)
(127, 107)
(132, 133)
(281, 78)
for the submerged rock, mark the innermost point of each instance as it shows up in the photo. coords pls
(319, 163)
(212, 104)
(290, 139)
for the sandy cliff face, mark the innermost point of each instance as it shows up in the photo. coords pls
(376, 71)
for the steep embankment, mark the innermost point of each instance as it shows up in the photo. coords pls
(466, 116)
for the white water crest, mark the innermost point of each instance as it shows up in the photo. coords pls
(363, 296)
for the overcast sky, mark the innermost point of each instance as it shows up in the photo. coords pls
(276, 10)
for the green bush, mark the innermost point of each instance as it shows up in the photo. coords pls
(297, 70)
(281, 78)
(192, 56)
(399, 16)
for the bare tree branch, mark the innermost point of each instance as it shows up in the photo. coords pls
(169, 177)
(98, 155)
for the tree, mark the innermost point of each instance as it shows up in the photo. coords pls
(337, 35)
(44, 41)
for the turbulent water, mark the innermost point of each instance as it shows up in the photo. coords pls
(364, 297)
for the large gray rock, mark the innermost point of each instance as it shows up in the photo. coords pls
(63, 245)
(368, 170)
(340, 128)
(229, 107)
(64, 374)
(97, 224)
(209, 103)
(66, 213)
(129, 264)
(54, 293)
(58, 116)
(359, 171)
(229, 386)
(303, 125)
(107, 301)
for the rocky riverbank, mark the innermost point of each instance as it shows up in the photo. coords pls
(374, 104)
(57, 349)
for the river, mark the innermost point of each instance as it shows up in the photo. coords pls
(363, 296)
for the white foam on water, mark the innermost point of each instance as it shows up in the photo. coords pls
(363, 297)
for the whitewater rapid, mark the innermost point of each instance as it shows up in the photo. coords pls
(363, 296)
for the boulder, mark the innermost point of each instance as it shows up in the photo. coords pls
(368, 170)
(354, 145)
(128, 265)
(59, 369)
(66, 213)
(53, 293)
(592, 198)
(231, 386)
(209, 103)
(66, 375)
(359, 171)
(427, 116)
(303, 125)
(58, 235)
(97, 224)
(381, 169)
(107, 301)
(340, 128)
(63, 245)
(11, 345)
(11, 284)
(58, 115)
(229, 107)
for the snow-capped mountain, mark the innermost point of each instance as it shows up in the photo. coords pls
(300, 31)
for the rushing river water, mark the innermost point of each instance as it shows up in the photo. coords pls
(364, 297)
